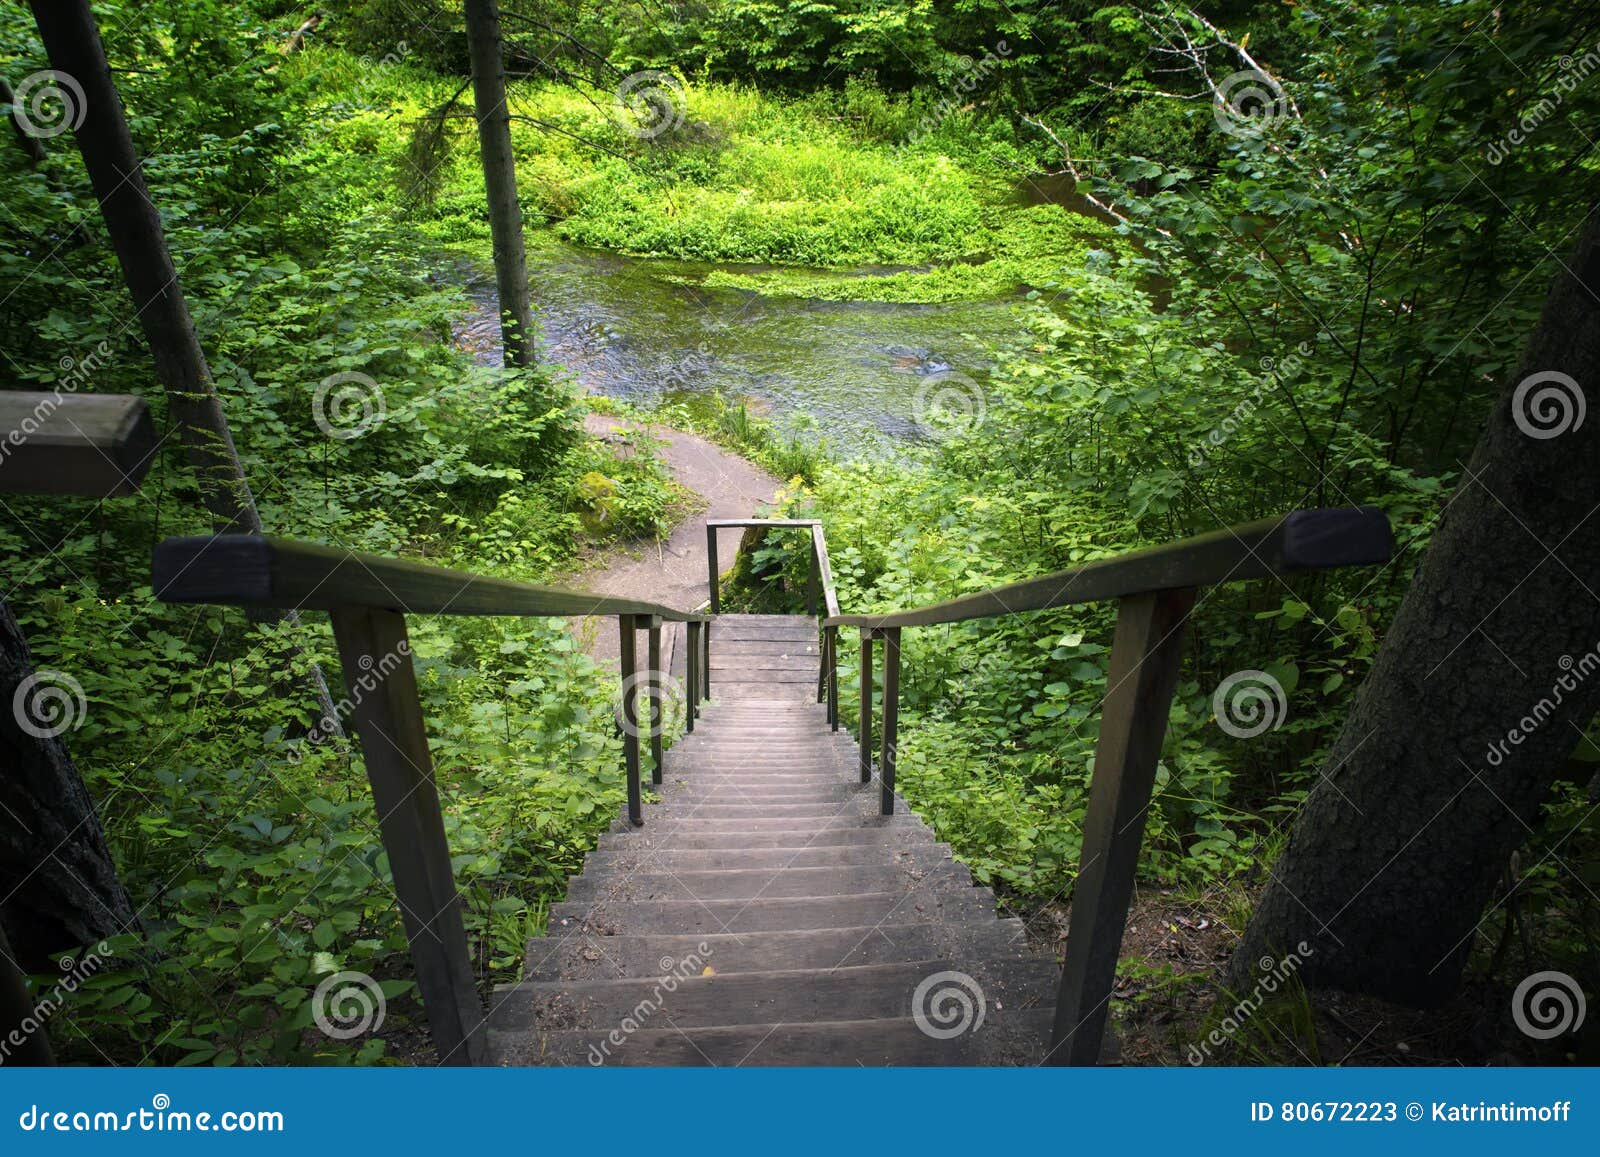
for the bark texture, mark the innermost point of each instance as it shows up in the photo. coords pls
(58, 886)
(1477, 697)
(500, 180)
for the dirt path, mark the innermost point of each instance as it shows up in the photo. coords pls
(674, 574)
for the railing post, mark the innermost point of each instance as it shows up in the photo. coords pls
(376, 657)
(822, 666)
(658, 705)
(833, 678)
(630, 717)
(891, 719)
(864, 734)
(691, 675)
(711, 562)
(813, 581)
(1133, 723)
(705, 658)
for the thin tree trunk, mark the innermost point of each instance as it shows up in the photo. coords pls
(1480, 692)
(500, 180)
(31, 144)
(59, 886)
(73, 42)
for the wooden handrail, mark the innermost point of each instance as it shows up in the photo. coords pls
(56, 442)
(1298, 541)
(368, 597)
(250, 571)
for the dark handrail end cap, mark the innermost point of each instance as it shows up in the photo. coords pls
(1337, 536)
(222, 568)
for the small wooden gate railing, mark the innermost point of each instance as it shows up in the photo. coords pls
(368, 597)
(1155, 590)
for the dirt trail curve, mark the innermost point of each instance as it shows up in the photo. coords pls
(674, 575)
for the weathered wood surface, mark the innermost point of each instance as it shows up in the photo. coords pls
(251, 571)
(1300, 540)
(94, 445)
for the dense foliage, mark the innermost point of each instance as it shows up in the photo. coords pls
(1310, 308)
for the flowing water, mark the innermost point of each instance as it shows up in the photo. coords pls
(645, 329)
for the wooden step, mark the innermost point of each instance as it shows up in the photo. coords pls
(677, 859)
(1006, 1038)
(902, 835)
(907, 874)
(572, 953)
(790, 913)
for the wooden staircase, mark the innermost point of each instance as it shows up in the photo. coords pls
(767, 914)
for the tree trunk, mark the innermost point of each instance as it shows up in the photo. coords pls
(1480, 692)
(500, 180)
(59, 887)
(73, 42)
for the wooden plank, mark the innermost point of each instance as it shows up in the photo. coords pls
(719, 523)
(1300, 540)
(1133, 723)
(94, 445)
(628, 663)
(658, 706)
(382, 684)
(891, 720)
(819, 543)
(691, 676)
(833, 678)
(864, 732)
(715, 578)
(249, 570)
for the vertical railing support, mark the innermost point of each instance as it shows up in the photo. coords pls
(832, 636)
(891, 719)
(813, 581)
(1133, 723)
(711, 563)
(705, 659)
(864, 733)
(394, 745)
(691, 676)
(658, 699)
(630, 716)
